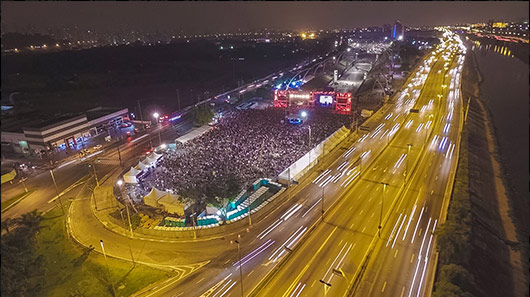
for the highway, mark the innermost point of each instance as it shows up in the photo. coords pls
(351, 229)
(272, 239)
(351, 188)
(405, 262)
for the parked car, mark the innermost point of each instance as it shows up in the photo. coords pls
(98, 147)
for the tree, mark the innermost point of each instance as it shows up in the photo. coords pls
(202, 115)
(6, 224)
(447, 289)
(457, 275)
(453, 243)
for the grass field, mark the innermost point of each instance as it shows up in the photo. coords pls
(72, 270)
(10, 201)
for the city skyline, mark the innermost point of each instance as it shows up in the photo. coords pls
(188, 18)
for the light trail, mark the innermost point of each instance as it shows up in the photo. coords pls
(290, 212)
(307, 211)
(415, 229)
(254, 253)
(327, 171)
(419, 127)
(269, 229)
(408, 224)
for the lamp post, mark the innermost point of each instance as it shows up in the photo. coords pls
(309, 128)
(193, 222)
(381, 214)
(249, 219)
(120, 183)
(107, 264)
(156, 116)
(240, 268)
(323, 201)
(57, 190)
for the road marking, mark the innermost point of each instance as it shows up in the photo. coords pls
(363, 229)
(309, 263)
(395, 254)
(226, 262)
(372, 214)
(200, 280)
(412, 258)
(351, 227)
(402, 292)
(384, 286)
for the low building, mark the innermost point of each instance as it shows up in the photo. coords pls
(32, 134)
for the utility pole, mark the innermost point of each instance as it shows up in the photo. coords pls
(323, 202)
(381, 214)
(178, 99)
(108, 270)
(119, 155)
(249, 219)
(141, 115)
(193, 222)
(129, 218)
(95, 174)
(240, 269)
(143, 125)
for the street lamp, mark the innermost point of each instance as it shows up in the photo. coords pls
(309, 130)
(381, 214)
(240, 269)
(193, 222)
(326, 287)
(156, 116)
(107, 264)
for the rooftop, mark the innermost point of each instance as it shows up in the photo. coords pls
(101, 112)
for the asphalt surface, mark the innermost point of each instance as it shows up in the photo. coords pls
(351, 187)
(348, 235)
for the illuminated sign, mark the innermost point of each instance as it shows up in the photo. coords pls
(499, 25)
(299, 96)
(325, 99)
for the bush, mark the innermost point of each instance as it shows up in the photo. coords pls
(454, 280)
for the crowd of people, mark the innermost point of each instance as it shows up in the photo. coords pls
(245, 145)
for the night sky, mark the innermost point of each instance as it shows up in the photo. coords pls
(209, 17)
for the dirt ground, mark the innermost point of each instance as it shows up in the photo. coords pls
(498, 259)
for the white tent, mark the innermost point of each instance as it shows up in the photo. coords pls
(152, 198)
(130, 176)
(210, 210)
(152, 158)
(143, 164)
(171, 204)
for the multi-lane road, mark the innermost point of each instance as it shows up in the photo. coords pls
(337, 252)
(394, 176)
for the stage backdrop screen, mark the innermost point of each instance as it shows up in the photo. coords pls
(325, 99)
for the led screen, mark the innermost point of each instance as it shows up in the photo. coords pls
(325, 99)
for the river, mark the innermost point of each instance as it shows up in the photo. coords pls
(505, 91)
